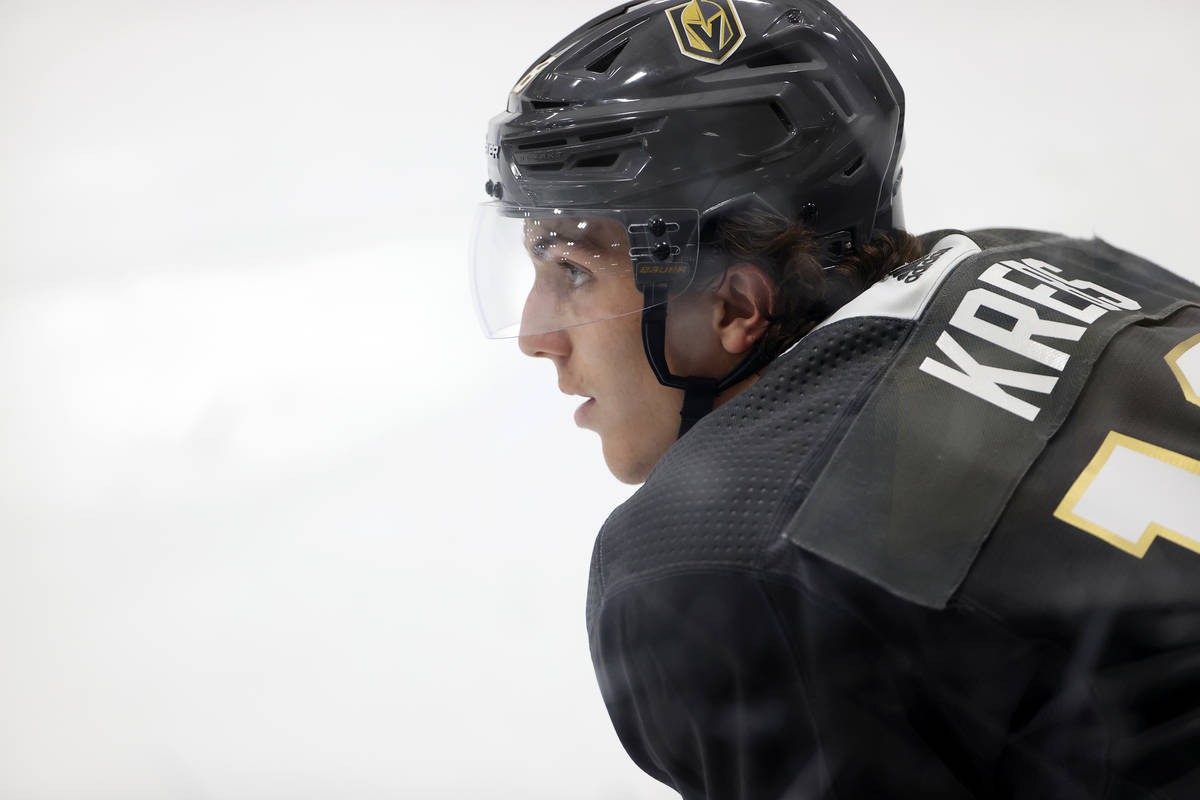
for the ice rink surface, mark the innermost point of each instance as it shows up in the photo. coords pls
(275, 520)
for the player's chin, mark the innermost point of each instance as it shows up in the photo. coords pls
(628, 459)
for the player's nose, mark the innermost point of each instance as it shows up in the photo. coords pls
(541, 334)
(546, 345)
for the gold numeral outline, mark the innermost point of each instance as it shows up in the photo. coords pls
(1172, 359)
(1066, 509)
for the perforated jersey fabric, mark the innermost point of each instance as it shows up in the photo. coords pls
(719, 497)
(850, 580)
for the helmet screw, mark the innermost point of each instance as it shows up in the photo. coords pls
(662, 251)
(488, 187)
(658, 226)
(498, 191)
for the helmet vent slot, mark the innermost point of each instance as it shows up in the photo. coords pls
(771, 58)
(837, 98)
(606, 160)
(608, 134)
(789, 55)
(552, 167)
(783, 118)
(544, 143)
(604, 63)
(854, 167)
(547, 105)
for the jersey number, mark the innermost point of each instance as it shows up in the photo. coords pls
(1133, 492)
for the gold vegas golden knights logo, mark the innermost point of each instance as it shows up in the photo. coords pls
(707, 30)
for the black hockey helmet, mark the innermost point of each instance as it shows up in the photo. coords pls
(647, 124)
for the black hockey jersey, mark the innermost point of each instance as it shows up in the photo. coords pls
(948, 545)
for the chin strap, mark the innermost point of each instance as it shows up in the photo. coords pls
(699, 394)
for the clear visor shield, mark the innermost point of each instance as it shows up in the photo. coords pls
(537, 270)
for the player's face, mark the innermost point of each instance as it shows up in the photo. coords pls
(636, 416)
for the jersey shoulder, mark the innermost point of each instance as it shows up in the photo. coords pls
(717, 498)
(1002, 350)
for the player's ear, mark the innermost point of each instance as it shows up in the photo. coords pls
(742, 307)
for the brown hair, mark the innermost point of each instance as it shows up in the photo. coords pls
(806, 293)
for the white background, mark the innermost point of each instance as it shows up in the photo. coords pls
(275, 520)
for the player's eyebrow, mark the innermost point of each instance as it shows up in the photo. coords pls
(537, 247)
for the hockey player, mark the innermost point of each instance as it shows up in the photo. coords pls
(920, 515)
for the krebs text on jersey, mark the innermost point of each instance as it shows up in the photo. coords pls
(1010, 319)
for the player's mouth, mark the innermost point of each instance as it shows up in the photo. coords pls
(582, 413)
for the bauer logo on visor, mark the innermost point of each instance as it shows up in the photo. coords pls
(707, 30)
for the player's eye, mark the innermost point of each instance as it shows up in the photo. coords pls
(575, 276)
